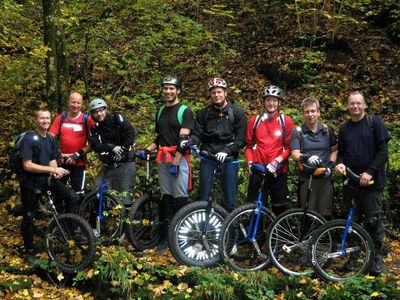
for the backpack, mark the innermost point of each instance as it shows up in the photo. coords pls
(14, 161)
(181, 110)
(85, 119)
(258, 121)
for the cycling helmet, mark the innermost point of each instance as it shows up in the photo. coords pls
(217, 82)
(273, 90)
(172, 80)
(97, 103)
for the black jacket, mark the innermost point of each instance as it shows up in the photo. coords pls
(219, 130)
(115, 130)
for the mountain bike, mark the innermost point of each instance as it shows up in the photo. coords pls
(350, 253)
(195, 229)
(104, 212)
(243, 244)
(143, 225)
(70, 241)
(290, 233)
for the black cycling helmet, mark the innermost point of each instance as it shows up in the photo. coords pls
(172, 80)
(273, 90)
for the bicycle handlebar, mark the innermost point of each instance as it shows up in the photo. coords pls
(354, 177)
(152, 156)
(203, 154)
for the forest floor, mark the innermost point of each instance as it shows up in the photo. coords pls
(19, 280)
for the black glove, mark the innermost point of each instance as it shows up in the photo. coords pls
(186, 144)
(77, 155)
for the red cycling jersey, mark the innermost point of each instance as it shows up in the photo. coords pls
(268, 140)
(72, 134)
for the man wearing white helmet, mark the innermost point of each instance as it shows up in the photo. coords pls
(112, 138)
(268, 143)
(219, 129)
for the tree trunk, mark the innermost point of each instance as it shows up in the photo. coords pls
(49, 32)
(57, 67)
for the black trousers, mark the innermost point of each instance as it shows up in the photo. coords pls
(30, 199)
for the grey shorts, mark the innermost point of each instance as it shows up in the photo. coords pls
(120, 178)
(169, 185)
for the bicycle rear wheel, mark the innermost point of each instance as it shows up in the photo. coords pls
(288, 240)
(329, 262)
(70, 243)
(238, 250)
(143, 228)
(110, 227)
(185, 234)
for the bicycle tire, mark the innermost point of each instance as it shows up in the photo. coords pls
(287, 252)
(143, 226)
(237, 251)
(111, 227)
(185, 242)
(327, 261)
(78, 252)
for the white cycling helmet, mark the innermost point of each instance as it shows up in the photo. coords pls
(97, 103)
(273, 90)
(217, 82)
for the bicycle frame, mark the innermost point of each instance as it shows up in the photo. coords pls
(103, 188)
(217, 173)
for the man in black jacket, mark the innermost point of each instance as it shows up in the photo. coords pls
(363, 147)
(112, 138)
(220, 129)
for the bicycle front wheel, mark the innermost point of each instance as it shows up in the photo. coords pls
(70, 242)
(108, 226)
(332, 263)
(194, 232)
(143, 228)
(288, 240)
(243, 242)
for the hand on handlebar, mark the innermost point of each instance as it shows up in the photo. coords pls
(341, 169)
(365, 179)
(220, 156)
(273, 166)
(314, 161)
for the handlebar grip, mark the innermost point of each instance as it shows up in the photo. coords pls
(354, 177)
(319, 171)
(152, 156)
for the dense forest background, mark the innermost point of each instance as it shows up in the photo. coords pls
(120, 50)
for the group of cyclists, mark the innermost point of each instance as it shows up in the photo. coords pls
(221, 128)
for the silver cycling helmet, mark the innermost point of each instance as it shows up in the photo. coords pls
(97, 103)
(217, 82)
(273, 90)
(172, 80)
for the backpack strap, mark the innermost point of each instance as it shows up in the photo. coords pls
(62, 119)
(179, 116)
(256, 123)
(85, 123)
(281, 121)
(181, 110)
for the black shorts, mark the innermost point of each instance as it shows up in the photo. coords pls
(274, 187)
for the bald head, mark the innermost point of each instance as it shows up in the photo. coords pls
(75, 103)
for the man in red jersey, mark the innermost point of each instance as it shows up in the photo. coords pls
(73, 129)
